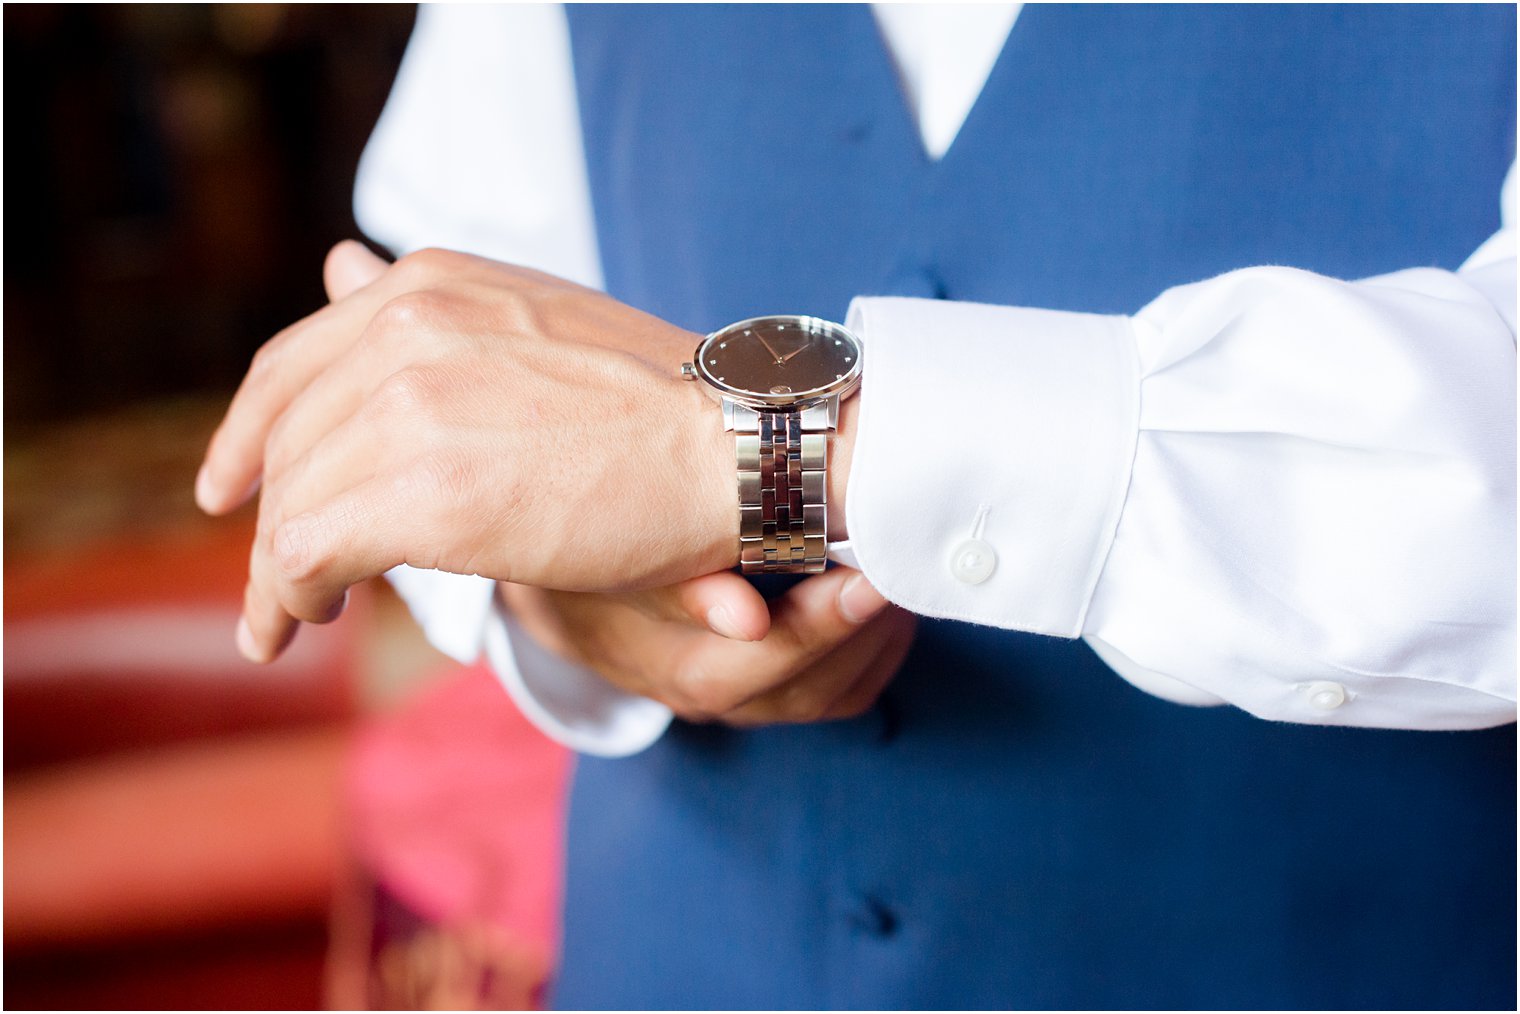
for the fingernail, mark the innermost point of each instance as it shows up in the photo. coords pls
(245, 643)
(859, 600)
(720, 619)
(204, 490)
(212, 501)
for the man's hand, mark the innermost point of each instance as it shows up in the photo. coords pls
(454, 413)
(825, 650)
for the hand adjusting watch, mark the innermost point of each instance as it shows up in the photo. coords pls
(779, 381)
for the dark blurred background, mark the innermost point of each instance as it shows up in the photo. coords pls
(179, 825)
(175, 174)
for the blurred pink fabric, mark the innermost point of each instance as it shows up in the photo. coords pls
(457, 812)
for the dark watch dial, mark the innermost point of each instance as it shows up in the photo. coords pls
(778, 360)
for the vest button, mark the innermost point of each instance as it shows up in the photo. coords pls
(857, 133)
(973, 561)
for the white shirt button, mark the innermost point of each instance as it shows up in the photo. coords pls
(973, 561)
(1325, 696)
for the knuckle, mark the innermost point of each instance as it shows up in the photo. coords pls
(408, 314)
(409, 392)
(299, 550)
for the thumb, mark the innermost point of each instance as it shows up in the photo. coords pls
(723, 602)
(350, 266)
(822, 611)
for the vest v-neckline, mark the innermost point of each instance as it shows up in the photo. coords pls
(905, 123)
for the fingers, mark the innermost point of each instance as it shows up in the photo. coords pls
(283, 367)
(815, 615)
(280, 370)
(841, 683)
(899, 626)
(809, 622)
(723, 603)
(832, 648)
(363, 377)
(264, 629)
(341, 462)
(349, 267)
(302, 567)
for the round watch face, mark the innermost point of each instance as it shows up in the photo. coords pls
(780, 360)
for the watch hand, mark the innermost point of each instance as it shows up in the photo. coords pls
(768, 347)
(792, 353)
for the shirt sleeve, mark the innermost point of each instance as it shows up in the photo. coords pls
(1271, 489)
(479, 145)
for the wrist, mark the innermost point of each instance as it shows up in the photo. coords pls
(714, 481)
(711, 477)
(784, 384)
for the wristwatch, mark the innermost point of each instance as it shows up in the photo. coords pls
(779, 381)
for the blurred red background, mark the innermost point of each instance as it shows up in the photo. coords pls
(180, 825)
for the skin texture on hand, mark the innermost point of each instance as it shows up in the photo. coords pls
(455, 413)
(459, 414)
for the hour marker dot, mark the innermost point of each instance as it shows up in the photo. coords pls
(723, 345)
(849, 358)
(839, 376)
(712, 362)
(838, 342)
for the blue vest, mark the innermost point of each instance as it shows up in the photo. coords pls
(1013, 825)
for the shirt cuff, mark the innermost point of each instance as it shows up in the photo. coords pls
(569, 703)
(451, 609)
(1050, 397)
(461, 615)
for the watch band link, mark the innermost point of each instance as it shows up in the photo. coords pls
(783, 508)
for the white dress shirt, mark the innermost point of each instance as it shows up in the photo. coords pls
(1270, 489)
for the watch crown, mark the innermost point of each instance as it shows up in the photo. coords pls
(688, 371)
